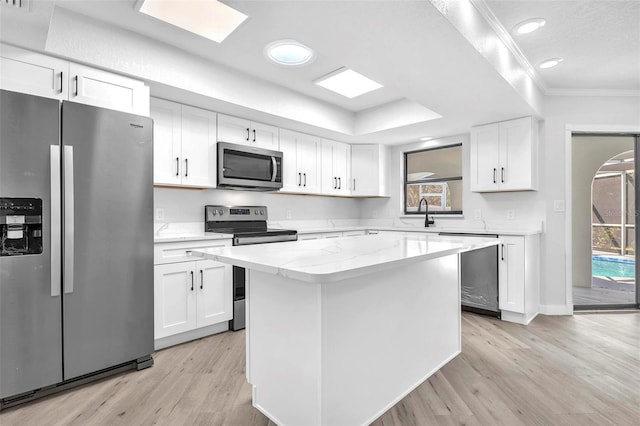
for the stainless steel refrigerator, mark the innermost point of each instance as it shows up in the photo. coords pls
(76, 244)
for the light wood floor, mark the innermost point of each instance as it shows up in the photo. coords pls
(580, 370)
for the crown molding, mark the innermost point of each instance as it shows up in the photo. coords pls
(593, 92)
(508, 41)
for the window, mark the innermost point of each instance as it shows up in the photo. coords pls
(436, 176)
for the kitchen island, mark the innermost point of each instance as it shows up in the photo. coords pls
(338, 331)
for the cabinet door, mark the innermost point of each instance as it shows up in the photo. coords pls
(484, 169)
(32, 73)
(342, 167)
(291, 175)
(233, 129)
(512, 274)
(174, 298)
(309, 160)
(264, 136)
(516, 154)
(365, 170)
(198, 147)
(104, 89)
(167, 124)
(215, 299)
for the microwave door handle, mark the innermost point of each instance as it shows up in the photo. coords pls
(274, 168)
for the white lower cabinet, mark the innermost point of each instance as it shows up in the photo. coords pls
(192, 298)
(518, 277)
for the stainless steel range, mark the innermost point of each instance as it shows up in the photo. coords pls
(248, 225)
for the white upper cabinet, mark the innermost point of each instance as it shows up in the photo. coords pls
(504, 156)
(368, 170)
(104, 89)
(184, 145)
(242, 131)
(35, 74)
(32, 73)
(301, 162)
(336, 168)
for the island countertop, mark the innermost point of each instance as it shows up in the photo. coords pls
(330, 260)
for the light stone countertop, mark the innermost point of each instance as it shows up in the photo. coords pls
(330, 260)
(190, 236)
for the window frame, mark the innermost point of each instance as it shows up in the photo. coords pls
(428, 181)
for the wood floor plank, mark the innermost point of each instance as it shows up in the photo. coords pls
(577, 370)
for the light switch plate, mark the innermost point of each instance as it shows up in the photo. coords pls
(558, 205)
(511, 214)
(288, 213)
(159, 214)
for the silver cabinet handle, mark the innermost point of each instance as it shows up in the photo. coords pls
(186, 167)
(56, 224)
(201, 279)
(494, 175)
(69, 222)
(299, 179)
(177, 166)
(305, 179)
(354, 184)
(502, 174)
(247, 134)
(274, 167)
(335, 182)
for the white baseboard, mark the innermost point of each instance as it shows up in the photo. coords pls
(556, 309)
(198, 333)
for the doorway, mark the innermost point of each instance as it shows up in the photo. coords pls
(604, 263)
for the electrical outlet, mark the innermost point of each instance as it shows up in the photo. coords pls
(288, 213)
(511, 214)
(558, 206)
(159, 214)
(477, 214)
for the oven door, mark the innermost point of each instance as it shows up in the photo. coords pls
(248, 167)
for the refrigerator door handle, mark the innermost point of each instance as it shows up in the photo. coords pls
(56, 223)
(68, 219)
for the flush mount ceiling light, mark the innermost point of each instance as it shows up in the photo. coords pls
(549, 63)
(529, 26)
(290, 53)
(207, 18)
(347, 83)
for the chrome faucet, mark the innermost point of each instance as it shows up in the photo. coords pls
(427, 221)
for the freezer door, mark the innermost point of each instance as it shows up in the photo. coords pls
(108, 238)
(30, 308)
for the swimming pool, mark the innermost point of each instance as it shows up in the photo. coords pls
(604, 266)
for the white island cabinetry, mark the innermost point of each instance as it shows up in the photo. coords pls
(339, 330)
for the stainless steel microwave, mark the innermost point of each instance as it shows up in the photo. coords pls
(248, 167)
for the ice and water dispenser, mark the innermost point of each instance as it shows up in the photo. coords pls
(20, 226)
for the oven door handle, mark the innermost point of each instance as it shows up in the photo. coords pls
(242, 241)
(274, 168)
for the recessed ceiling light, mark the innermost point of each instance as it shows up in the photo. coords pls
(289, 52)
(207, 18)
(529, 26)
(550, 63)
(347, 83)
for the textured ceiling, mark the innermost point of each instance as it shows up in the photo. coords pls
(598, 40)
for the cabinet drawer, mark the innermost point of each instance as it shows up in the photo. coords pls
(178, 251)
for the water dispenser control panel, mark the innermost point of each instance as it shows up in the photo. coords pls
(20, 226)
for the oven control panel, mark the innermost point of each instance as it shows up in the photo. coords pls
(235, 213)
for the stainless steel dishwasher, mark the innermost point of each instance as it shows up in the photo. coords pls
(479, 277)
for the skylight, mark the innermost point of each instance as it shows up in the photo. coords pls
(348, 83)
(207, 18)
